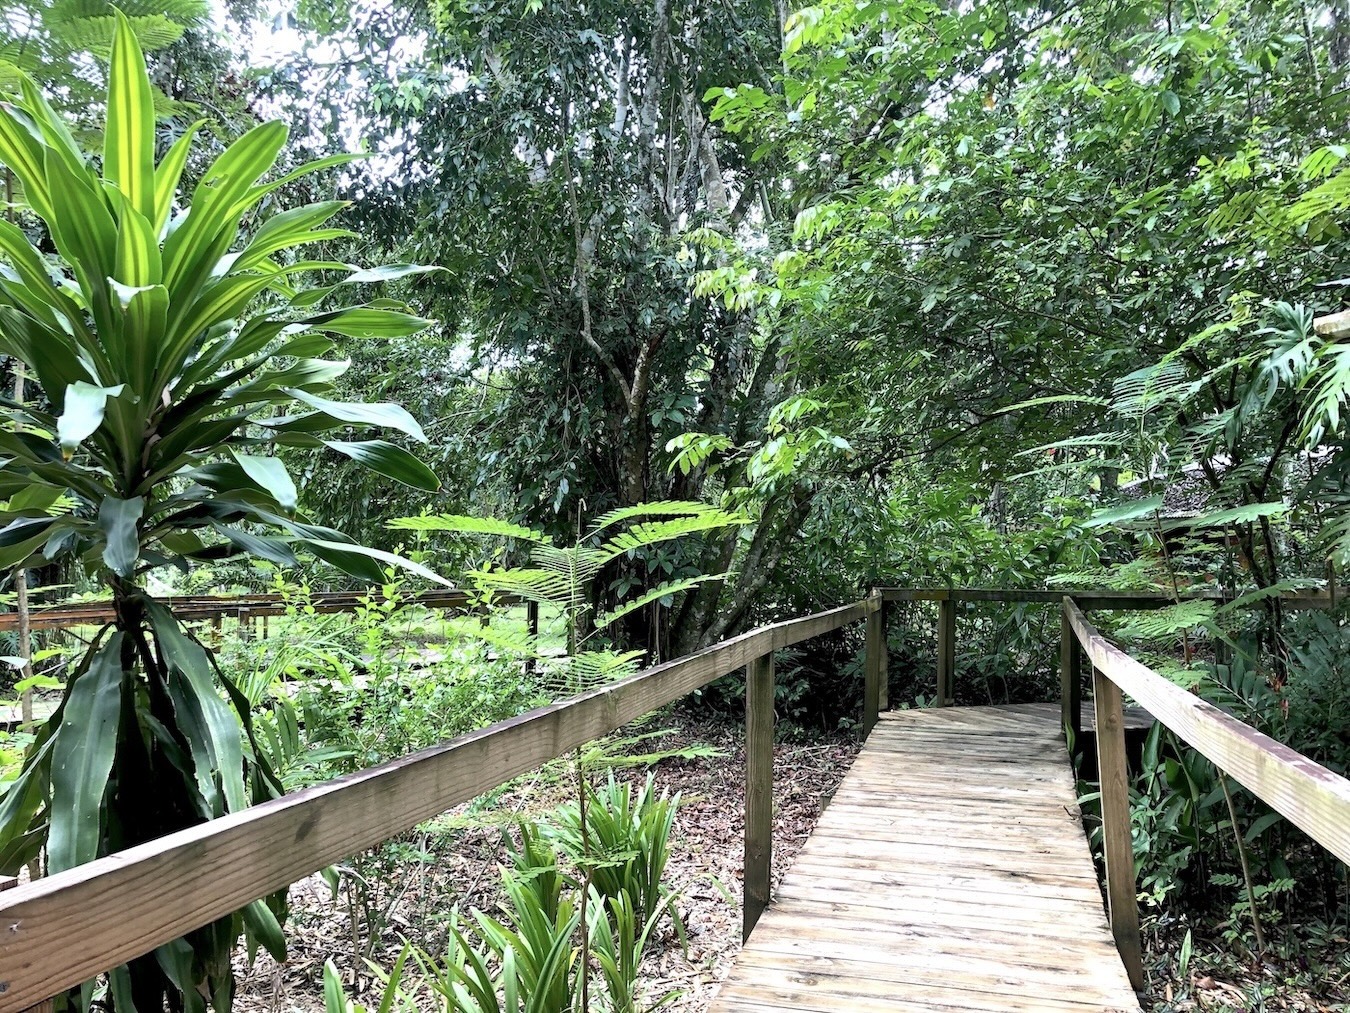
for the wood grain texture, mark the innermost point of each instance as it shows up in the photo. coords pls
(874, 670)
(66, 928)
(1313, 798)
(924, 890)
(1070, 678)
(758, 790)
(946, 651)
(1122, 899)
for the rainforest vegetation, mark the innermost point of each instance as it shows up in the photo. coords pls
(676, 318)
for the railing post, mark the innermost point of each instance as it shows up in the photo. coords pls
(1117, 840)
(532, 627)
(946, 651)
(1070, 674)
(874, 685)
(758, 789)
(47, 1005)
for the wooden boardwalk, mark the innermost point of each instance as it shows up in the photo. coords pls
(949, 872)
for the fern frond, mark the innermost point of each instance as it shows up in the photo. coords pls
(666, 508)
(1169, 622)
(1248, 514)
(1123, 513)
(641, 536)
(543, 586)
(655, 594)
(466, 525)
(1141, 392)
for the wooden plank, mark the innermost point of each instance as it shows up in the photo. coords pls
(1313, 798)
(758, 790)
(1117, 830)
(927, 891)
(1334, 325)
(66, 928)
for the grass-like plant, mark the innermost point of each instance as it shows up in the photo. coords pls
(176, 343)
(626, 841)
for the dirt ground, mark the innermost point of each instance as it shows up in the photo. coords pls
(410, 887)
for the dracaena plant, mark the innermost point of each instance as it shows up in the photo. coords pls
(177, 343)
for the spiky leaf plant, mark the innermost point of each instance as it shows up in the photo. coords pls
(175, 353)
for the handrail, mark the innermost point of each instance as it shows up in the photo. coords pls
(948, 597)
(213, 606)
(62, 930)
(1313, 798)
(1097, 599)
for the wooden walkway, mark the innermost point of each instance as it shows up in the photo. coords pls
(949, 872)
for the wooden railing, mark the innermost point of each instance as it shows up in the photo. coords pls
(62, 930)
(1071, 682)
(243, 607)
(1308, 795)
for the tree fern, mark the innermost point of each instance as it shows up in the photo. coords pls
(563, 576)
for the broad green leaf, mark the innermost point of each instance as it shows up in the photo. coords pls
(386, 459)
(348, 556)
(263, 924)
(82, 413)
(388, 272)
(129, 132)
(189, 659)
(388, 416)
(118, 519)
(363, 322)
(82, 759)
(270, 474)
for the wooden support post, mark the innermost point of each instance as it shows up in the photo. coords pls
(1121, 895)
(532, 627)
(46, 1006)
(884, 693)
(758, 789)
(946, 652)
(874, 669)
(1070, 675)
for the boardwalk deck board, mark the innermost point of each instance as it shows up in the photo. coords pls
(949, 872)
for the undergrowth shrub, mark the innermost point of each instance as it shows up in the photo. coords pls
(626, 844)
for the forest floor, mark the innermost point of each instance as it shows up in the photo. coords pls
(406, 889)
(410, 885)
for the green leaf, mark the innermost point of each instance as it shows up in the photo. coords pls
(196, 697)
(1122, 513)
(267, 930)
(465, 525)
(82, 413)
(1236, 515)
(270, 474)
(388, 272)
(391, 461)
(389, 416)
(363, 322)
(118, 520)
(359, 561)
(82, 758)
(129, 132)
